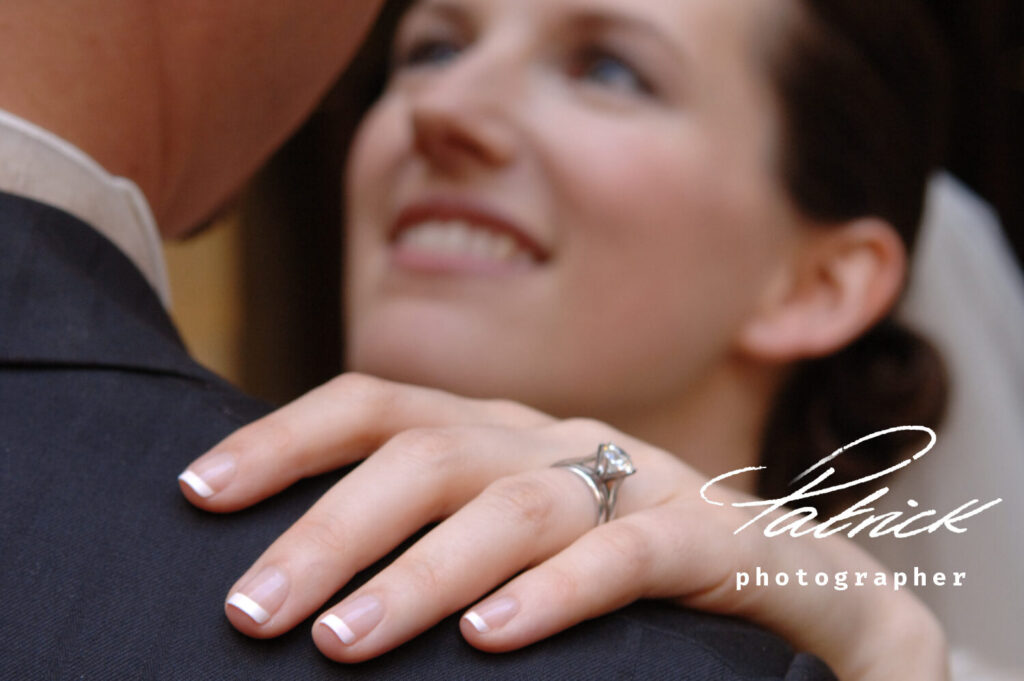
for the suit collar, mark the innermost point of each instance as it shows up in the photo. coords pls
(38, 165)
(69, 297)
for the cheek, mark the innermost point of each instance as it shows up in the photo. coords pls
(374, 156)
(663, 218)
(667, 241)
(371, 177)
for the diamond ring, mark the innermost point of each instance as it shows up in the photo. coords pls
(603, 473)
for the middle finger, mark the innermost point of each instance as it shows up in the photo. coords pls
(417, 477)
(516, 522)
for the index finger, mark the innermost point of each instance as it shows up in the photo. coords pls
(340, 422)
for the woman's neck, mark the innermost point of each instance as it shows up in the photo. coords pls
(717, 426)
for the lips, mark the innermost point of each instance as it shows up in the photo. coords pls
(455, 234)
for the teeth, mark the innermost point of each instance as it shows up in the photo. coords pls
(456, 237)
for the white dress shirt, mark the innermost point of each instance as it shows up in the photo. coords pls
(36, 164)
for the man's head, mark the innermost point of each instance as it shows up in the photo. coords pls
(186, 98)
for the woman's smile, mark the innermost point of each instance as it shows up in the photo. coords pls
(454, 236)
(538, 173)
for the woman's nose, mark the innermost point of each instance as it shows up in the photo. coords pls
(461, 119)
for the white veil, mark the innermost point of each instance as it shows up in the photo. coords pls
(967, 295)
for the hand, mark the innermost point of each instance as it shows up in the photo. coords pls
(482, 468)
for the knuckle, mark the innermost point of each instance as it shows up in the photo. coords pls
(628, 546)
(425, 450)
(324, 534)
(561, 583)
(424, 575)
(510, 412)
(582, 428)
(367, 392)
(272, 433)
(352, 381)
(525, 498)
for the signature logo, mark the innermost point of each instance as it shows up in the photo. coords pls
(860, 516)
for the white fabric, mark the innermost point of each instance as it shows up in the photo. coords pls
(38, 165)
(967, 295)
(966, 667)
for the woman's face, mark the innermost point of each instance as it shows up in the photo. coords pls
(571, 203)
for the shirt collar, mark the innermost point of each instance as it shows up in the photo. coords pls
(38, 165)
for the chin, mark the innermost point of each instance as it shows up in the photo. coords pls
(433, 372)
(470, 374)
(433, 360)
(472, 354)
(431, 343)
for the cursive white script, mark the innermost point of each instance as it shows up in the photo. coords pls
(800, 521)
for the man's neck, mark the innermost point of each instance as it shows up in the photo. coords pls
(96, 88)
(38, 165)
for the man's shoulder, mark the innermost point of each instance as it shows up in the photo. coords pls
(111, 572)
(107, 572)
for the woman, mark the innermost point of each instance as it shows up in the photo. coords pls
(682, 220)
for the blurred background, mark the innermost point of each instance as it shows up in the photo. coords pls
(258, 298)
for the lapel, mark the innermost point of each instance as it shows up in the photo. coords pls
(70, 298)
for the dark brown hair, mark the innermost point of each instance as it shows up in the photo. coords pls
(861, 88)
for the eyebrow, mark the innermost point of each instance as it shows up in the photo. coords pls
(444, 9)
(599, 20)
(589, 19)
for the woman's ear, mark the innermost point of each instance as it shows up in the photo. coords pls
(841, 281)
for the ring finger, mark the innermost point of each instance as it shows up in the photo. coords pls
(516, 522)
(417, 477)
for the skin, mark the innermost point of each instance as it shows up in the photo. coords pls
(482, 468)
(153, 90)
(676, 284)
(507, 122)
(517, 115)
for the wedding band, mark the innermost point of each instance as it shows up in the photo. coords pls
(603, 473)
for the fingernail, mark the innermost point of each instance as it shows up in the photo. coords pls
(492, 614)
(262, 596)
(210, 474)
(356, 619)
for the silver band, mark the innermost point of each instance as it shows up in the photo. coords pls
(603, 473)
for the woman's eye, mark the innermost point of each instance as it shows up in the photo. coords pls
(431, 52)
(608, 70)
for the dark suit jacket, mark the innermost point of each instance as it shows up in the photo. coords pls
(107, 573)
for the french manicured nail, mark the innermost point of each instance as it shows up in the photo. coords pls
(356, 619)
(210, 474)
(492, 615)
(261, 596)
